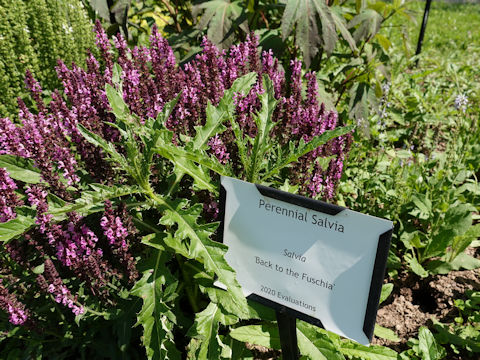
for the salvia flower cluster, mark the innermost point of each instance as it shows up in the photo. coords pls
(48, 137)
(8, 199)
(97, 251)
(15, 309)
(151, 77)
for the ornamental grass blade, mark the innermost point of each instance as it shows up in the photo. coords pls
(205, 329)
(156, 316)
(200, 247)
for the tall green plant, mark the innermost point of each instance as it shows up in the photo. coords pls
(182, 234)
(33, 35)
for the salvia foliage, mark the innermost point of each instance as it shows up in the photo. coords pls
(108, 196)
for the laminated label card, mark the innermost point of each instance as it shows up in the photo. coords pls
(322, 263)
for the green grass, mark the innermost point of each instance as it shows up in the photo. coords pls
(420, 164)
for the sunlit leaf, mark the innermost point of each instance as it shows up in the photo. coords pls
(20, 169)
(264, 335)
(156, 316)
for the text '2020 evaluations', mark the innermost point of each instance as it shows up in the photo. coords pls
(322, 262)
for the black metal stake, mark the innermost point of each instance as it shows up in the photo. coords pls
(287, 327)
(422, 29)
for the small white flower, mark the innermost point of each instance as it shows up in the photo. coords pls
(461, 102)
(386, 88)
(68, 29)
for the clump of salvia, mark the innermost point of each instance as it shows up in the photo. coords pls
(100, 253)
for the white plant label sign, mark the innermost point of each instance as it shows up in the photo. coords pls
(323, 262)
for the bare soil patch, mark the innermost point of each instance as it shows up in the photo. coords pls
(415, 301)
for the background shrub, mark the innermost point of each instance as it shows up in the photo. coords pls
(33, 35)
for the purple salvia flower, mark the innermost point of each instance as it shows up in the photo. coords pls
(253, 58)
(103, 45)
(219, 149)
(37, 197)
(35, 89)
(113, 228)
(9, 303)
(17, 316)
(270, 67)
(51, 282)
(8, 199)
(115, 225)
(10, 140)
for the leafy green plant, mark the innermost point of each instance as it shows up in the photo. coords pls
(159, 181)
(34, 35)
(464, 334)
(191, 238)
(424, 348)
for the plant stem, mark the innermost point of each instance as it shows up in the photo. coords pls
(189, 286)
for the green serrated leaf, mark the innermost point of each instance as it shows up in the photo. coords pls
(385, 333)
(218, 17)
(292, 153)
(217, 115)
(315, 344)
(358, 105)
(462, 261)
(386, 291)
(118, 105)
(20, 169)
(358, 351)
(461, 242)
(367, 23)
(156, 316)
(105, 145)
(91, 201)
(415, 266)
(39, 269)
(171, 152)
(201, 177)
(457, 221)
(15, 227)
(264, 335)
(427, 345)
(205, 328)
(342, 27)
(423, 203)
(265, 124)
(308, 16)
(200, 247)
(117, 74)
